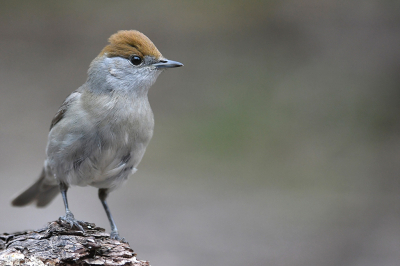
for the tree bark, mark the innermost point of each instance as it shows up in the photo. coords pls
(58, 244)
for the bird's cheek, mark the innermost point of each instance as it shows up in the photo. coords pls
(113, 72)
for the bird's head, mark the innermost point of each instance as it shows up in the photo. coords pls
(129, 62)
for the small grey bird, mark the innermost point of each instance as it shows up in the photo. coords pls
(101, 131)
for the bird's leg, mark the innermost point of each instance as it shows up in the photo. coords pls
(103, 193)
(69, 217)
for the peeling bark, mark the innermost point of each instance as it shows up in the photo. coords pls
(58, 244)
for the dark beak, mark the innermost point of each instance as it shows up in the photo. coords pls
(165, 63)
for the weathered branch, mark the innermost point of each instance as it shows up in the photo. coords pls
(58, 244)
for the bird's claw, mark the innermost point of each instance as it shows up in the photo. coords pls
(115, 235)
(70, 219)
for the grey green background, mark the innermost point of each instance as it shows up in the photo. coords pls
(277, 144)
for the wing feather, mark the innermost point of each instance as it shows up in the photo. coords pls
(64, 107)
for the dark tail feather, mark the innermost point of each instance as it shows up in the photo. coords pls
(45, 197)
(40, 192)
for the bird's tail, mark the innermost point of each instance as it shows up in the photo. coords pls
(40, 192)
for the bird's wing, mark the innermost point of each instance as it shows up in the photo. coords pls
(64, 107)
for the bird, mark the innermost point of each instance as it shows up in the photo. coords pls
(100, 133)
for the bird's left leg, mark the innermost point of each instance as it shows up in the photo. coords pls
(69, 217)
(103, 193)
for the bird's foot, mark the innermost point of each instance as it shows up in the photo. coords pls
(115, 235)
(70, 219)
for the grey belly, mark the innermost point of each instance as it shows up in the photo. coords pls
(89, 161)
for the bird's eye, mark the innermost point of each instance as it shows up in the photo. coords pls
(135, 60)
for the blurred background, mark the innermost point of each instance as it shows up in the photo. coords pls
(278, 143)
